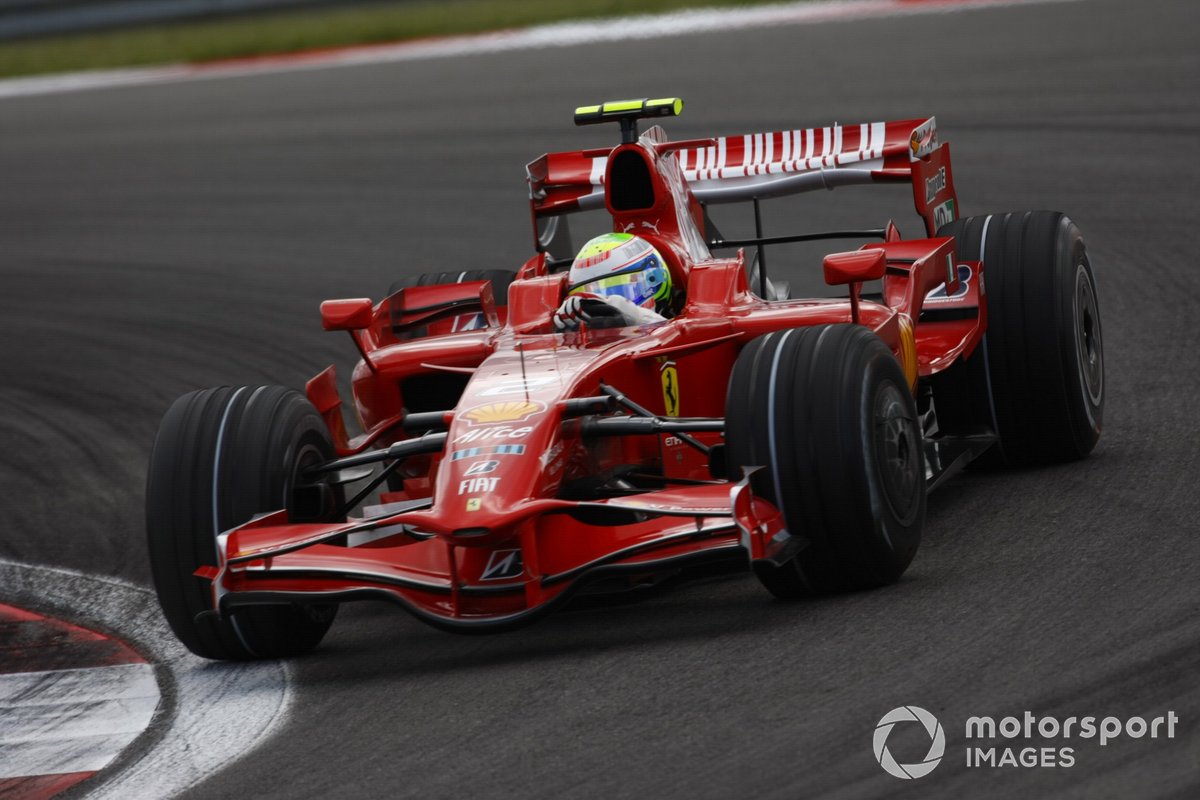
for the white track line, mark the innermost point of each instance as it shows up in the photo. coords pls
(564, 34)
(221, 710)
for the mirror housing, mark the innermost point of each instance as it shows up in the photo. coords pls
(855, 267)
(347, 315)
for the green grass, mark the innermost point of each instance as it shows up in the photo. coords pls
(287, 32)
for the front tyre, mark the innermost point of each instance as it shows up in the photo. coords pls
(223, 456)
(828, 413)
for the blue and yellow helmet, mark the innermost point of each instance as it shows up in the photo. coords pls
(621, 264)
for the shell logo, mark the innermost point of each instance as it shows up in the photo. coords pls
(511, 411)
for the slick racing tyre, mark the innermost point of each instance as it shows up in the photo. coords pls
(828, 414)
(1042, 355)
(223, 456)
(500, 279)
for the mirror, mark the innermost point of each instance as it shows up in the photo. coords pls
(855, 267)
(346, 315)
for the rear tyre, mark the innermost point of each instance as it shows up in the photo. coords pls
(1042, 355)
(221, 457)
(500, 279)
(828, 413)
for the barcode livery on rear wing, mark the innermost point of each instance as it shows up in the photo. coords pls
(760, 165)
(783, 151)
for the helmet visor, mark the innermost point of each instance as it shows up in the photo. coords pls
(641, 287)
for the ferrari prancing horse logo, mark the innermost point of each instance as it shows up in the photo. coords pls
(670, 388)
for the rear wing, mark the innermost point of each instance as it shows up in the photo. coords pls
(762, 165)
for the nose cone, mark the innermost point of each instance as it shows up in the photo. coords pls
(492, 460)
(508, 416)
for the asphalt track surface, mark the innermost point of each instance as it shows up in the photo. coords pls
(162, 238)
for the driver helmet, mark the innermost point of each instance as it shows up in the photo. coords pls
(621, 264)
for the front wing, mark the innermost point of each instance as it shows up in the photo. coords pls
(550, 549)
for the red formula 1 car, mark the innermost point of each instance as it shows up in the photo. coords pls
(519, 465)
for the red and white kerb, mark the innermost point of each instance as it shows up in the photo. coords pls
(71, 699)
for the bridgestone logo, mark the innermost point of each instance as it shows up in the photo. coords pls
(934, 185)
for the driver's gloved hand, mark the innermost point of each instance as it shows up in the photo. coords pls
(590, 310)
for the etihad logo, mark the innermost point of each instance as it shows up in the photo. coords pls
(511, 411)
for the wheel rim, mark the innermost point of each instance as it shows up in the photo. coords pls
(1089, 347)
(897, 453)
(301, 495)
